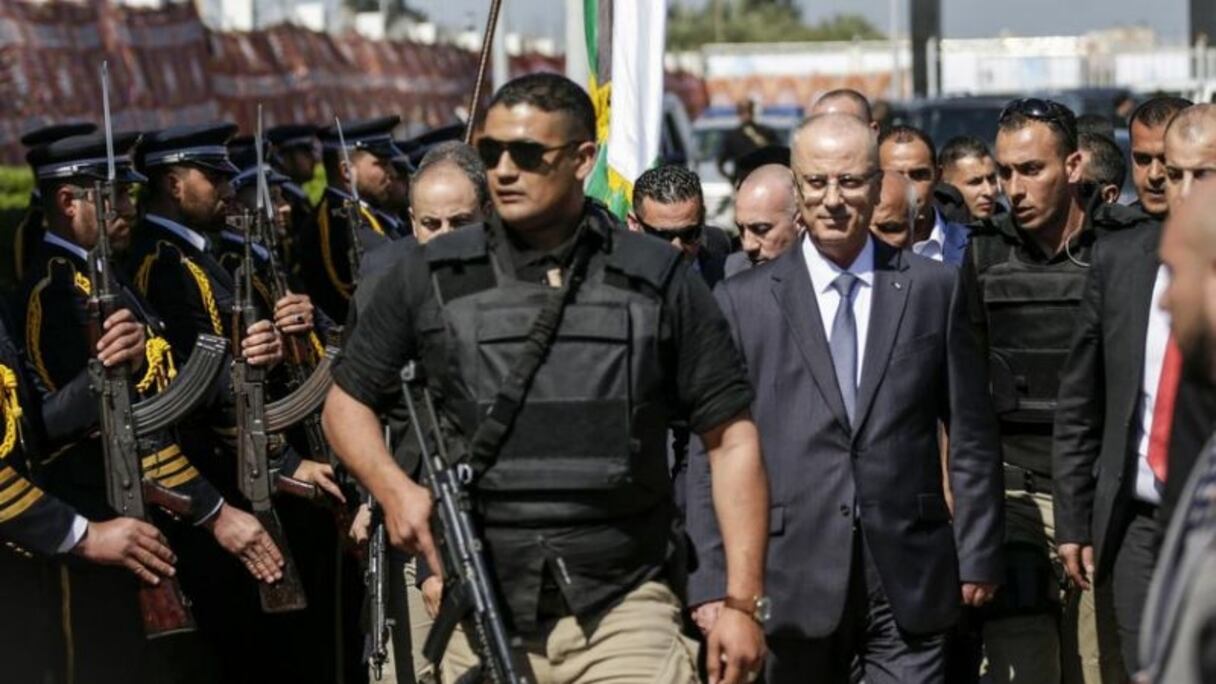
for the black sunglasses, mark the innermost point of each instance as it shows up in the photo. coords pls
(686, 234)
(1047, 111)
(526, 154)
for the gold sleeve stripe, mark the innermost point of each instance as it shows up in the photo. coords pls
(14, 490)
(33, 332)
(327, 256)
(204, 291)
(162, 456)
(21, 505)
(167, 469)
(180, 479)
(7, 475)
(82, 283)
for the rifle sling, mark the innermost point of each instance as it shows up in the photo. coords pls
(493, 429)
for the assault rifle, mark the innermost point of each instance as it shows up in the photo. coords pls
(380, 626)
(256, 420)
(163, 607)
(468, 595)
(354, 211)
(297, 354)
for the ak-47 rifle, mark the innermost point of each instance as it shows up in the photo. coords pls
(257, 419)
(354, 211)
(297, 353)
(468, 594)
(163, 607)
(380, 626)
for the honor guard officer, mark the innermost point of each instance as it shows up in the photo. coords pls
(56, 290)
(29, 230)
(174, 265)
(314, 539)
(575, 507)
(326, 250)
(1024, 274)
(36, 526)
(294, 154)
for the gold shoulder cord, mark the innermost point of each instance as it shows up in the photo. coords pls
(327, 256)
(17, 494)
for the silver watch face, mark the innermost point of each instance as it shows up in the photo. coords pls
(764, 608)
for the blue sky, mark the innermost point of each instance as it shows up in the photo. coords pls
(960, 18)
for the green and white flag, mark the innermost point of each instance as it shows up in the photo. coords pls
(623, 72)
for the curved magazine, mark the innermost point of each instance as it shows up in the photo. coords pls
(307, 398)
(191, 387)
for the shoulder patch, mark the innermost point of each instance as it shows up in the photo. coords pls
(642, 257)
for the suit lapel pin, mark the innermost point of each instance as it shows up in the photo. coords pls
(897, 285)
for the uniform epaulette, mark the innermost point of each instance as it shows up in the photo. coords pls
(466, 244)
(643, 257)
(63, 273)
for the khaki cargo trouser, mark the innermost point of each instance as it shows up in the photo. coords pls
(638, 640)
(1078, 646)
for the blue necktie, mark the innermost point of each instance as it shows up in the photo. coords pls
(843, 342)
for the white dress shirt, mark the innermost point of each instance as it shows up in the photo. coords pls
(193, 237)
(933, 247)
(823, 272)
(1155, 340)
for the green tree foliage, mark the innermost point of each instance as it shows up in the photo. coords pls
(758, 21)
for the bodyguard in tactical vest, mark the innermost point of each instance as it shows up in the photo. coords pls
(575, 508)
(1025, 272)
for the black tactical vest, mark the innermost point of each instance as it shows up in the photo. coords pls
(588, 443)
(1031, 313)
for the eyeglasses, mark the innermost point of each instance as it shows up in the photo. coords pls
(815, 188)
(1047, 111)
(685, 234)
(527, 155)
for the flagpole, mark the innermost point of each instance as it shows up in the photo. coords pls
(486, 42)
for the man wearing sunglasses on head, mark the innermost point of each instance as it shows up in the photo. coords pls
(668, 204)
(575, 506)
(1025, 272)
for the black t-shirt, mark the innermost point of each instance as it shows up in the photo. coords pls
(593, 564)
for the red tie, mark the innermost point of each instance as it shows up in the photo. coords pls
(1163, 410)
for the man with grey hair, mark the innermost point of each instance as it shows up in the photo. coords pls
(766, 215)
(448, 191)
(856, 351)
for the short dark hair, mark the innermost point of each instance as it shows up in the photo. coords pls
(962, 147)
(667, 184)
(849, 94)
(1106, 163)
(1158, 111)
(1095, 124)
(550, 93)
(904, 134)
(461, 156)
(1063, 125)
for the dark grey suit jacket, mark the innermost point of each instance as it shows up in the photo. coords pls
(1094, 454)
(921, 365)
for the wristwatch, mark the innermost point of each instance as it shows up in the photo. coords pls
(760, 608)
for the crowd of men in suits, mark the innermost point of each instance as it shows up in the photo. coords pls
(981, 387)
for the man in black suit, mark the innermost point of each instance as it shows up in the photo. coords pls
(1147, 130)
(856, 351)
(668, 204)
(1127, 417)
